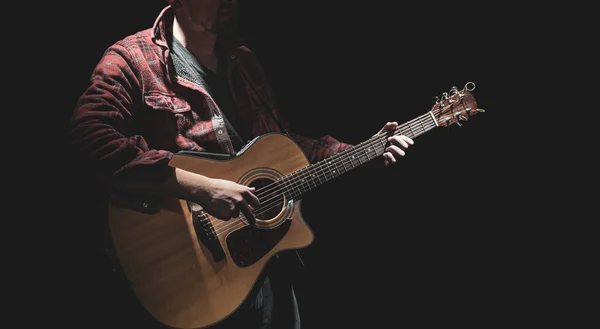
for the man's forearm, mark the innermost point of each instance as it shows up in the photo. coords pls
(179, 183)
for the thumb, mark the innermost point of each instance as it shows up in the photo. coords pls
(389, 126)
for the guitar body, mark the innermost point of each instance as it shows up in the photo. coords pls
(190, 270)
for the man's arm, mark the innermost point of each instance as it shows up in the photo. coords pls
(101, 136)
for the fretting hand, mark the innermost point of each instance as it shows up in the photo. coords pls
(398, 144)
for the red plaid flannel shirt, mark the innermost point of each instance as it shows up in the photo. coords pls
(137, 112)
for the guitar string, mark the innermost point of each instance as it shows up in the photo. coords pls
(360, 147)
(313, 173)
(275, 201)
(269, 204)
(301, 174)
(223, 226)
(240, 222)
(340, 159)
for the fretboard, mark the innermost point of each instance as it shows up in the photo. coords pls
(299, 182)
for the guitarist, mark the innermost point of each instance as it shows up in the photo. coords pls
(188, 83)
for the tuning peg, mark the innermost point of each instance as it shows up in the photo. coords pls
(459, 118)
(445, 95)
(435, 99)
(453, 90)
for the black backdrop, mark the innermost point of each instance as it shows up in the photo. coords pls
(440, 238)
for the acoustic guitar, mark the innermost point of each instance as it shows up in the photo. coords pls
(191, 270)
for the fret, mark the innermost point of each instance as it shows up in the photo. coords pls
(310, 176)
(305, 178)
(351, 158)
(343, 162)
(383, 144)
(314, 176)
(303, 181)
(357, 156)
(320, 166)
(429, 121)
(336, 171)
(412, 133)
(365, 149)
(421, 122)
(372, 149)
(316, 173)
(300, 182)
(375, 147)
(326, 169)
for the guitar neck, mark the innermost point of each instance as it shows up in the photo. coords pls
(314, 175)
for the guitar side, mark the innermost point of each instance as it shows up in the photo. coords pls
(175, 276)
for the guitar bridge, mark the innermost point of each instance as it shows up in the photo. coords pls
(206, 234)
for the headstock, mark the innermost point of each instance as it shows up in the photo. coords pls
(455, 106)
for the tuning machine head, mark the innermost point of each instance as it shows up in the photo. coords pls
(469, 86)
(453, 90)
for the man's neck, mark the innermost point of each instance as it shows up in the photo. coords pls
(200, 44)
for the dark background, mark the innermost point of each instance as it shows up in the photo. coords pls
(457, 233)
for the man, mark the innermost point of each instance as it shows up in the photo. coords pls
(189, 84)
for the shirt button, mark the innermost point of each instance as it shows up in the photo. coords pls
(232, 56)
(219, 131)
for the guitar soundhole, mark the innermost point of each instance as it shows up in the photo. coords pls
(271, 198)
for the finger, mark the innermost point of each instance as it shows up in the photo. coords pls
(252, 199)
(248, 213)
(403, 141)
(398, 141)
(409, 140)
(389, 126)
(396, 151)
(389, 158)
